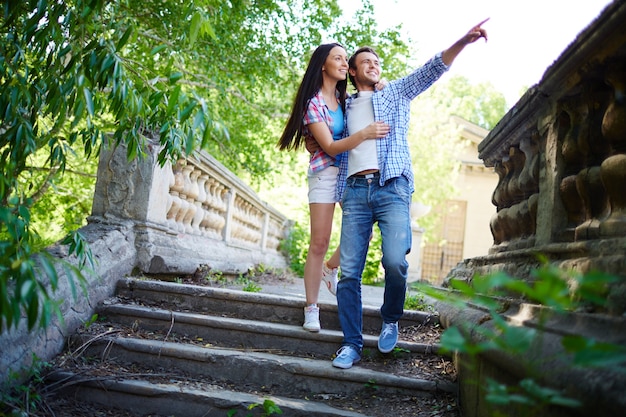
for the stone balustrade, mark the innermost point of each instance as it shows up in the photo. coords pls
(560, 154)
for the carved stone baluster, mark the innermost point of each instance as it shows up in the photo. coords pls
(189, 192)
(533, 203)
(599, 146)
(170, 198)
(175, 192)
(614, 121)
(574, 149)
(199, 202)
(614, 167)
(593, 195)
(529, 177)
(575, 145)
(613, 172)
(573, 204)
(496, 228)
(516, 160)
(505, 197)
(514, 222)
(212, 217)
(499, 199)
(202, 198)
(496, 197)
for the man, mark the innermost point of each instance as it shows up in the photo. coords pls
(375, 185)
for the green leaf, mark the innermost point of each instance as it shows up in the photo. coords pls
(32, 311)
(49, 271)
(198, 120)
(196, 22)
(88, 101)
(184, 115)
(173, 100)
(175, 76)
(157, 49)
(125, 37)
(190, 144)
(453, 340)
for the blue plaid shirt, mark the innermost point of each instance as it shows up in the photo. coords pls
(392, 105)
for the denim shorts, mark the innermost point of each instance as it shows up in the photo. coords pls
(323, 185)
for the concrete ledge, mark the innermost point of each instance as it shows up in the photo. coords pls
(114, 251)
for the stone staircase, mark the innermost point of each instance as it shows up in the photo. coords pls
(165, 349)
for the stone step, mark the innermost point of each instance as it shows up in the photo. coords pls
(156, 343)
(235, 332)
(253, 306)
(182, 398)
(283, 375)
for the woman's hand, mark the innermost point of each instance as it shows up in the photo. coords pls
(382, 83)
(376, 130)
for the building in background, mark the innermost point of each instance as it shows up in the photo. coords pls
(464, 230)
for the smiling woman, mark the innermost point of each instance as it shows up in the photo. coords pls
(517, 55)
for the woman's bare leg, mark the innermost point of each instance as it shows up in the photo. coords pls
(321, 218)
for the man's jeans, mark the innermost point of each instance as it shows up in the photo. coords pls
(365, 202)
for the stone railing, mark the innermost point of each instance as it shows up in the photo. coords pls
(560, 154)
(188, 214)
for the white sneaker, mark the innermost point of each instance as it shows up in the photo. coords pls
(329, 276)
(312, 319)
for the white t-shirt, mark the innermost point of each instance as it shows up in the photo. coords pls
(360, 115)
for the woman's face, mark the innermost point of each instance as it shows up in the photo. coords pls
(336, 65)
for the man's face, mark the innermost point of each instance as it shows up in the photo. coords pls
(367, 71)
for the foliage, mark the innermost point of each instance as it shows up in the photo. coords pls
(295, 247)
(373, 272)
(269, 409)
(561, 291)
(23, 289)
(478, 103)
(24, 399)
(416, 302)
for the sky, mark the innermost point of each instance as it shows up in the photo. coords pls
(525, 37)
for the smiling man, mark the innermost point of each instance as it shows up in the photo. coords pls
(375, 185)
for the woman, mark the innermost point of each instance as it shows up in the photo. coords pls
(317, 120)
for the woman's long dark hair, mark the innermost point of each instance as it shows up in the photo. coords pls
(311, 83)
